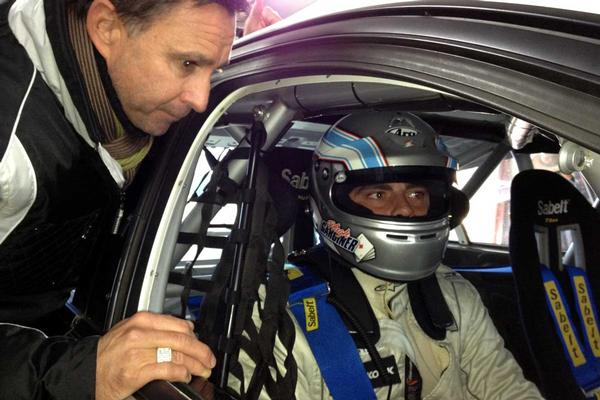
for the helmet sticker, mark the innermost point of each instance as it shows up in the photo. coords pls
(364, 250)
(360, 246)
(401, 127)
(341, 237)
(402, 131)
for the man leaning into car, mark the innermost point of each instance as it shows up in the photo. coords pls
(87, 85)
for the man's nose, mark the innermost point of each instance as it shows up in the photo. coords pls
(196, 91)
(400, 207)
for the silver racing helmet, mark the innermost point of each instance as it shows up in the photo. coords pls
(372, 148)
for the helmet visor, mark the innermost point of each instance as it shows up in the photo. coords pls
(395, 193)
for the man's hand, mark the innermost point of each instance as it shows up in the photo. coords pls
(126, 356)
(260, 17)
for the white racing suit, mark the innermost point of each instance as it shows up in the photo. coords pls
(470, 363)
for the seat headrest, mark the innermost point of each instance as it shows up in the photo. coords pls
(288, 183)
(545, 198)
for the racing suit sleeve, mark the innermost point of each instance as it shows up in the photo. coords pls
(491, 370)
(38, 367)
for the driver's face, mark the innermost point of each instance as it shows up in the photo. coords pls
(393, 199)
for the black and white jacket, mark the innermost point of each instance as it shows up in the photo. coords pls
(59, 191)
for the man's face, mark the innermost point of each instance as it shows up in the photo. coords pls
(393, 199)
(163, 72)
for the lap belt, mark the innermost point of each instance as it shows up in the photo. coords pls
(328, 337)
(582, 351)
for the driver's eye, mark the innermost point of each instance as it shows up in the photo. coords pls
(417, 194)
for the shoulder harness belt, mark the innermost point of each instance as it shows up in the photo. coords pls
(325, 328)
(329, 339)
(582, 351)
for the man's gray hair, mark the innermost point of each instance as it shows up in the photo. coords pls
(138, 14)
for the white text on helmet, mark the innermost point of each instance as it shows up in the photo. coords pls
(341, 237)
(402, 131)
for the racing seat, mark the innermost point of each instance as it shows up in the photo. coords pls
(552, 224)
(292, 165)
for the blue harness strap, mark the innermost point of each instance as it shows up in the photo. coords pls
(328, 337)
(586, 309)
(581, 350)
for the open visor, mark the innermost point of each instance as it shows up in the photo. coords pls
(426, 190)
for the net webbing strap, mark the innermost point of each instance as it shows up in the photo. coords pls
(274, 319)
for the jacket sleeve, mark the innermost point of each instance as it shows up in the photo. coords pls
(38, 367)
(491, 370)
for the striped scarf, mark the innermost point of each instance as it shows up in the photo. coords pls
(128, 149)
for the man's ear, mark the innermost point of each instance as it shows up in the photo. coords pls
(105, 27)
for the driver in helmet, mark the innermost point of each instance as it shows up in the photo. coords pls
(386, 177)
(383, 205)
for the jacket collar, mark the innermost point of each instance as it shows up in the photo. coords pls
(27, 20)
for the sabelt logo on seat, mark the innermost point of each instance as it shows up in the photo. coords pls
(310, 311)
(296, 181)
(566, 330)
(552, 208)
(588, 315)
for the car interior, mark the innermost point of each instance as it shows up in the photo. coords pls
(490, 146)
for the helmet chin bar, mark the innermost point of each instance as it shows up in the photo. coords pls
(399, 251)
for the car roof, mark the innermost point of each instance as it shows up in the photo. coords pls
(325, 8)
